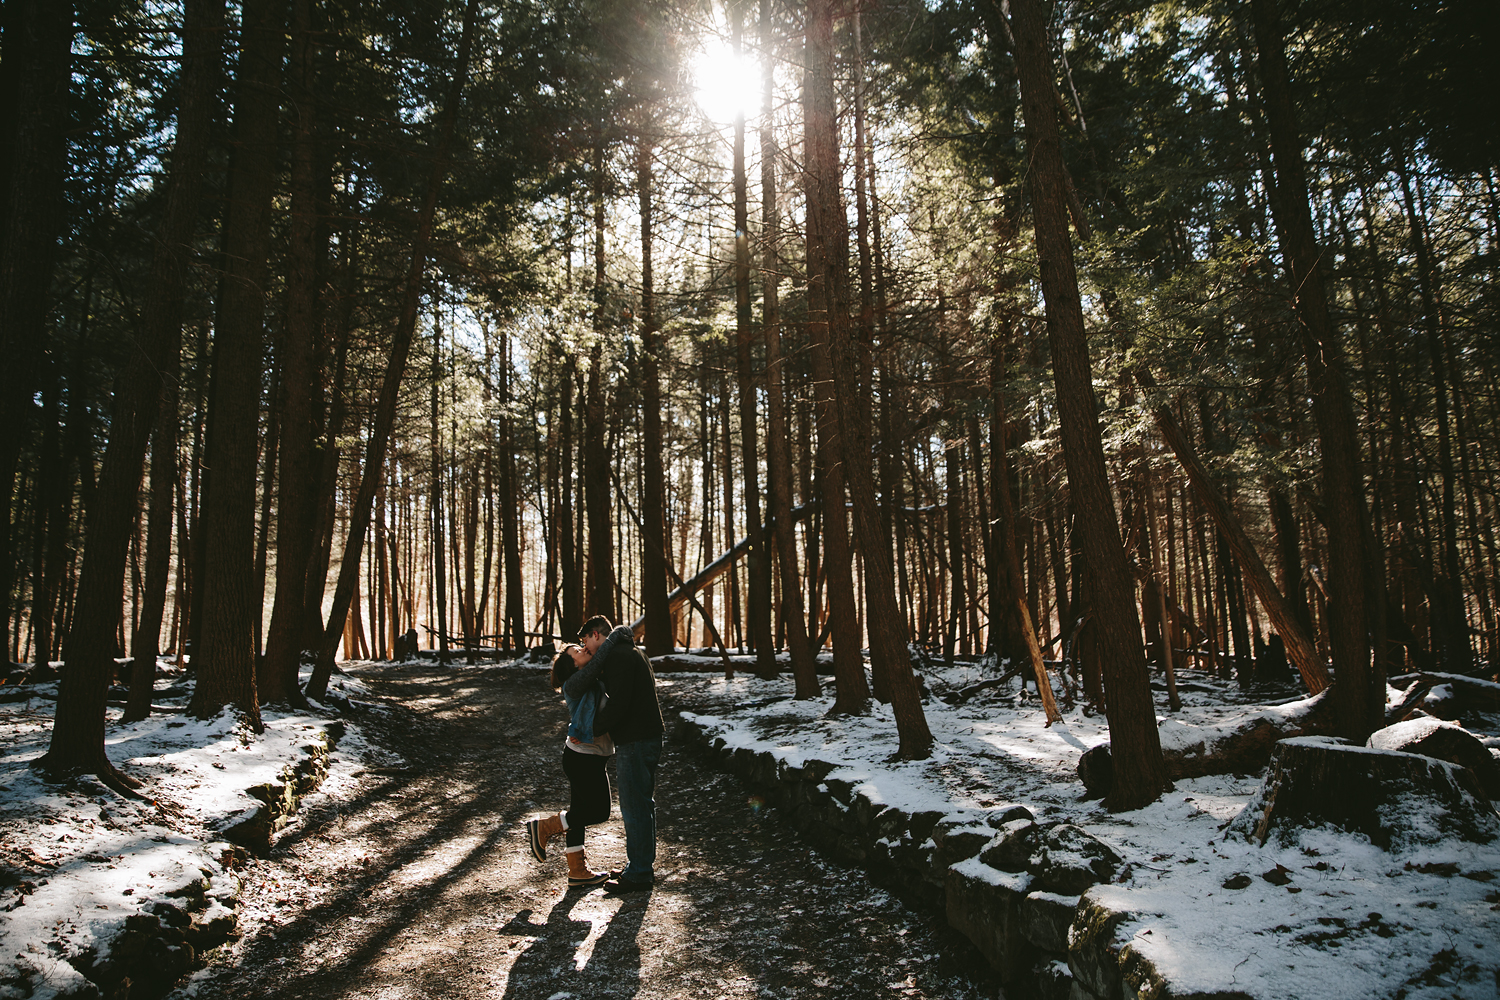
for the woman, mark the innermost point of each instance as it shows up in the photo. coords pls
(585, 753)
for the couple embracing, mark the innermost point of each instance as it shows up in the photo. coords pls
(626, 724)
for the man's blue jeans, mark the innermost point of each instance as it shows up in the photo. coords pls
(635, 771)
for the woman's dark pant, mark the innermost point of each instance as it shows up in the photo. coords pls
(590, 783)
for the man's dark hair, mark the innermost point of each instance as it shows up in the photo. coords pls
(599, 624)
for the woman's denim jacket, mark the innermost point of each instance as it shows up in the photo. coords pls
(584, 690)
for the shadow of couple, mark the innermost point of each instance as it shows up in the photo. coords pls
(587, 946)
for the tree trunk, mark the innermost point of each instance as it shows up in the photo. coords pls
(757, 558)
(572, 587)
(436, 477)
(326, 464)
(400, 348)
(278, 674)
(1360, 692)
(1454, 650)
(147, 641)
(827, 254)
(78, 732)
(62, 450)
(778, 448)
(958, 600)
(823, 302)
(654, 555)
(596, 458)
(34, 82)
(267, 500)
(510, 527)
(1135, 747)
(225, 657)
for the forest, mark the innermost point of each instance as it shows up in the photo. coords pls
(1105, 340)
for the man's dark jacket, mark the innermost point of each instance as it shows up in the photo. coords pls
(631, 711)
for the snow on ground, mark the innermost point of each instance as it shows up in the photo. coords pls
(1330, 917)
(77, 859)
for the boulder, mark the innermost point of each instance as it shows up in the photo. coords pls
(958, 839)
(1054, 981)
(922, 823)
(1445, 741)
(251, 828)
(1098, 933)
(1070, 860)
(1397, 800)
(1013, 846)
(982, 904)
(1045, 918)
(1096, 769)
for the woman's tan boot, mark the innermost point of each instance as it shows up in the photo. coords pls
(539, 831)
(578, 870)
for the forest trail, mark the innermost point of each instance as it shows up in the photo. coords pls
(419, 884)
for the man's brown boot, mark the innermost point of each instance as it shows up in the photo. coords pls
(539, 831)
(578, 870)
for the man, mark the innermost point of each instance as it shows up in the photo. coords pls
(632, 717)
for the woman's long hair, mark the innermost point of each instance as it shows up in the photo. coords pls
(562, 668)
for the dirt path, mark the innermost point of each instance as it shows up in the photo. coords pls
(420, 885)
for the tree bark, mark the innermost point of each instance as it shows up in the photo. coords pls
(823, 303)
(1454, 650)
(147, 640)
(34, 80)
(757, 558)
(326, 460)
(778, 448)
(1360, 692)
(572, 586)
(277, 677)
(436, 477)
(654, 554)
(225, 656)
(958, 599)
(827, 254)
(1135, 747)
(78, 731)
(510, 527)
(596, 458)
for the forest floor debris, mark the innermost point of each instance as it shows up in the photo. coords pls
(351, 886)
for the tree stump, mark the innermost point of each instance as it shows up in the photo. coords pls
(1397, 800)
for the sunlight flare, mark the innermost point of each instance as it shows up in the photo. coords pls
(725, 85)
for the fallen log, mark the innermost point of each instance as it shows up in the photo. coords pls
(1481, 691)
(964, 694)
(1410, 699)
(1241, 745)
(687, 663)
